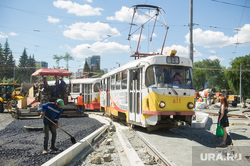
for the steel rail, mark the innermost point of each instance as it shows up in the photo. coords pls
(157, 153)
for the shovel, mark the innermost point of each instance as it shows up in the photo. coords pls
(73, 140)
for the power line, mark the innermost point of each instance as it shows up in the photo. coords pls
(231, 4)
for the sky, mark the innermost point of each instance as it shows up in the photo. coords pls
(84, 28)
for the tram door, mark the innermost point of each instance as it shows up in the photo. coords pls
(135, 95)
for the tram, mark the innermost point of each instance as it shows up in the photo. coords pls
(145, 92)
(90, 89)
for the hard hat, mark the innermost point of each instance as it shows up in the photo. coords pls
(80, 94)
(60, 101)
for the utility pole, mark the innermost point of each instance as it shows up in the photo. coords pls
(191, 46)
(240, 83)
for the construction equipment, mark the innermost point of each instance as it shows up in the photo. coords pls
(232, 99)
(9, 94)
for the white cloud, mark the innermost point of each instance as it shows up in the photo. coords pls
(210, 39)
(2, 35)
(77, 9)
(136, 37)
(126, 14)
(181, 51)
(53, 20)
(90, 31)
(90, 1)
(13, 34)
(99, 48)
(215, 57)
(244, 34)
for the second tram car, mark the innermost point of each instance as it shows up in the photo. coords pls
(149, 91)
(90, 89)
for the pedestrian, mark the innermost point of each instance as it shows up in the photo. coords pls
(223, 119)
(62, 87)
(80, 103)
(53, 112)
(56, 87)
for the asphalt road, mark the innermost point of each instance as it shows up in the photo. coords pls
(21, 147)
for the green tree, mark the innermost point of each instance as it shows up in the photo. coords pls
(86, 67)
(57, 58)
(22, 68)
(67, 58)
(209, 73)
(233, 75)
(1, 62)
(31, 65)
(10, 64)
(7, 53)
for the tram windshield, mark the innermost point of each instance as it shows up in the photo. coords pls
(162, 76)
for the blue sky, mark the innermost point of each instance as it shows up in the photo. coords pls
(96, 27)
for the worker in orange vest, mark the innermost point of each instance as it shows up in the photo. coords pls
(80, 103)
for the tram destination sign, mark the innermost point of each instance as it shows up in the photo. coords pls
(173, 60)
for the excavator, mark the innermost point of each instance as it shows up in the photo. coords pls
(10, 93)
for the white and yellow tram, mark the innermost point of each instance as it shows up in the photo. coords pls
(144, 92)
(90, 89)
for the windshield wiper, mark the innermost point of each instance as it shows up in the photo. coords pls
(171, 87)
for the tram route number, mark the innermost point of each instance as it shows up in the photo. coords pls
(176, 100)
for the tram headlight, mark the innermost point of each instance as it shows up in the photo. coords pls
(190, 105)
(162, 104)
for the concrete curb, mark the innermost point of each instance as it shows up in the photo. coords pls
(131, 154)
(69, 154)
(203, 122)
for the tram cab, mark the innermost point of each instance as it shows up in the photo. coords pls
(150, 91)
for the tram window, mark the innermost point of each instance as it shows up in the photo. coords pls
(90, 88)
(113, 82)
(85, 88)
(76, 88)
(150, 76)
(118, 81)
(97, 87)
(124, 79)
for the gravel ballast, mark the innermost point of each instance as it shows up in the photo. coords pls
(21, 147)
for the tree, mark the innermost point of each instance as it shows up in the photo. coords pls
(10, 64)
(67, 58)
(57, 58)
(209, 73)
(31, 65)
(22, 68)
(233, 75)
(1, 62)
(86, 67)
(7, 52)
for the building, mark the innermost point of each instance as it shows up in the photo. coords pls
(93, 61)
(42, 64)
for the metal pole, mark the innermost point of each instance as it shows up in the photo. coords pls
(240, 83)
(14, 70)
(191, 30)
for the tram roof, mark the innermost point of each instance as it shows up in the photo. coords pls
(150, 60)
(85, 80)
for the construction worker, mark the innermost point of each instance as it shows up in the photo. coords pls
(80, 103)
(56, 90)
(50, 112)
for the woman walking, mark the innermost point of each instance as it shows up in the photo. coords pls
(223, 119)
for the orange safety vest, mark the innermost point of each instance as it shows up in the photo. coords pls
(80, 100)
